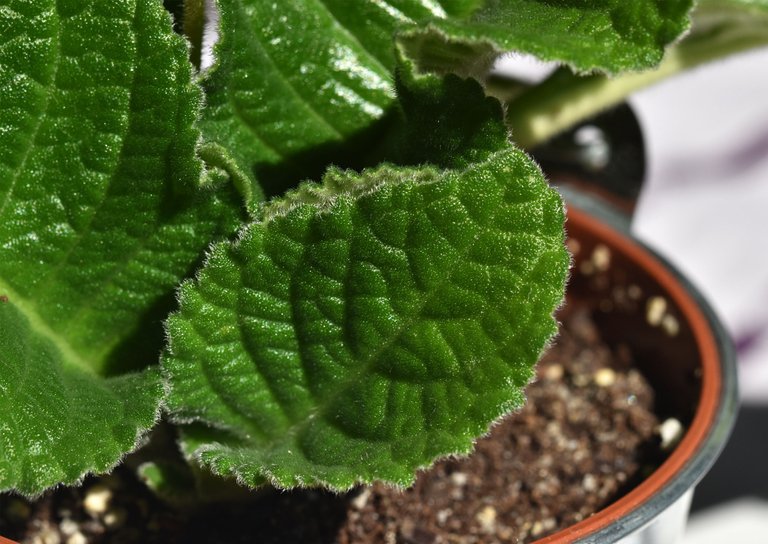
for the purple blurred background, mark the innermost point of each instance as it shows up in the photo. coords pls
(705, 207)
(705, 199)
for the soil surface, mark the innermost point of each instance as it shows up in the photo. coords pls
(587, 434)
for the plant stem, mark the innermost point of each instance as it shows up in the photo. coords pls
(565, 99)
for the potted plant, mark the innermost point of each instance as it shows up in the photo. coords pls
(346, 331)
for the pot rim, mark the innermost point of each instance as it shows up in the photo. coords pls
(714, 416)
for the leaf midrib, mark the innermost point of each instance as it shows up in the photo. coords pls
(39, 325)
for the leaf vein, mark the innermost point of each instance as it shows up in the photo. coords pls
(349, 32)
(58, 268)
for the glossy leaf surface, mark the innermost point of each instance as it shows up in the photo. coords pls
(295, 82)
(57, 421)
(361, 329)
(101, 215)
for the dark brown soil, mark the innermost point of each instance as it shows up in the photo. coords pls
(586, 435)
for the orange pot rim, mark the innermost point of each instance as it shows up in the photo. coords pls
(713, 418)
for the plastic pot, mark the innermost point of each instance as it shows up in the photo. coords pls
(640, 300)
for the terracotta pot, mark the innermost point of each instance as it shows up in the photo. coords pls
(640, 300)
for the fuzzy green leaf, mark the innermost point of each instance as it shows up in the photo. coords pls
(57, 421)
(361, 329)
(101, 215)
(609, 36)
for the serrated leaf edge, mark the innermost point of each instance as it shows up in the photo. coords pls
(336, 184)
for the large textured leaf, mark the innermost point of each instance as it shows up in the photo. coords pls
(101, 215)
(361, 329)
(57, 420)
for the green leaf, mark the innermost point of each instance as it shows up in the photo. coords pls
(447, 121)
(607, 36)
(289, 80)
(57, 421)
(365, 327)
(300, 85)
(101, 215)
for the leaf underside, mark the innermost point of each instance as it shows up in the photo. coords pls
(101, 215)
(361, 329)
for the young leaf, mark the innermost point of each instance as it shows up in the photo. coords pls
(361, 329)
(101, 215)
(606, 36)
